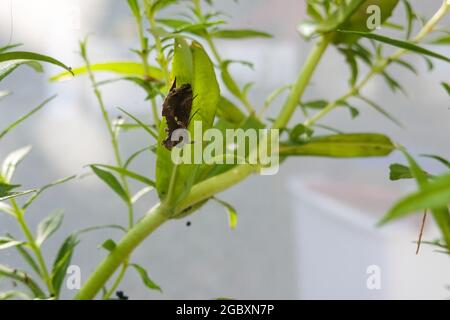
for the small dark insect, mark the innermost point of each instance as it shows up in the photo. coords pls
(177, 109)
(121, 296)
(188, 224)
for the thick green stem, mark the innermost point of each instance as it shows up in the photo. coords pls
(302, 82)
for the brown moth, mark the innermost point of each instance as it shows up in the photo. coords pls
(176, 109)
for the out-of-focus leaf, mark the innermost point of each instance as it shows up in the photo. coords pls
(48, 226)
(442, 40)
(23, 118)
(398, 43)
(12, 160)
(342, 146)
(446, 86)
(134, 6)
(112, 182)
(6, 208)
(239, 34)
(14, 294)
(7, 242)
(442, 160)
(44, 188)
(6, 188)
(399, 171)
(149, 283)
(28, 258)
(435, 194)
(407, 65)
(380, 110)
(410, 15)
(125, 68)
(299, 130)
(232, 213)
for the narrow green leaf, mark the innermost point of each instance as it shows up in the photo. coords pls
(62, 261)
(6, 188)
(232, 213)
(446, 86)
(342, 146)
(28, 258)
(48, 226)
(23, 118)
(111, 181)
(380, 110)
(239, 34)
(125, 172)
(442, 160)
(12, 160)
(31, 56)
(230, 112)
(44, 188)
(21, 276)
(149, 283)
(6, 208)
(125, 68)
(434, 195)
(398, 43)
(141, 124)
(7, 242)
(134, 6)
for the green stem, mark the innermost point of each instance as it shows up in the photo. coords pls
(112, 134)
(117, 282)
(302, 82)
(382, 65)
(152, 220)
(19, 213)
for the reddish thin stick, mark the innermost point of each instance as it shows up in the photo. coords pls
(419, 241)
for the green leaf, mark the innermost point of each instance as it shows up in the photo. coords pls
(434, 195)
(125, 68)
(446, 86)
(141, 124)
(206, 92)
(230, 112)
(6, 208)
(31, 56)
(62, 261)
(442, 40)
(28, 258)
(44, 188)
(399, 171)
(145, 278)
(442, 160)
(398, 43)
(14, 294)
(7, 242)
(48, 226)
(21, 276)
(315, 104)
(12, 160)
(380, 110)
(232, 213)
(15, 194)
(5, 189)
(299, 130)
(112, 182)
(109, 245)
(134, 6)
(239, 34)
(125, 172)
(23, 118)
(342, 146)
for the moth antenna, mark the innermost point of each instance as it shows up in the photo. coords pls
(190, 118)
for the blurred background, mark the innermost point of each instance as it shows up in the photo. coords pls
(307, 232)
